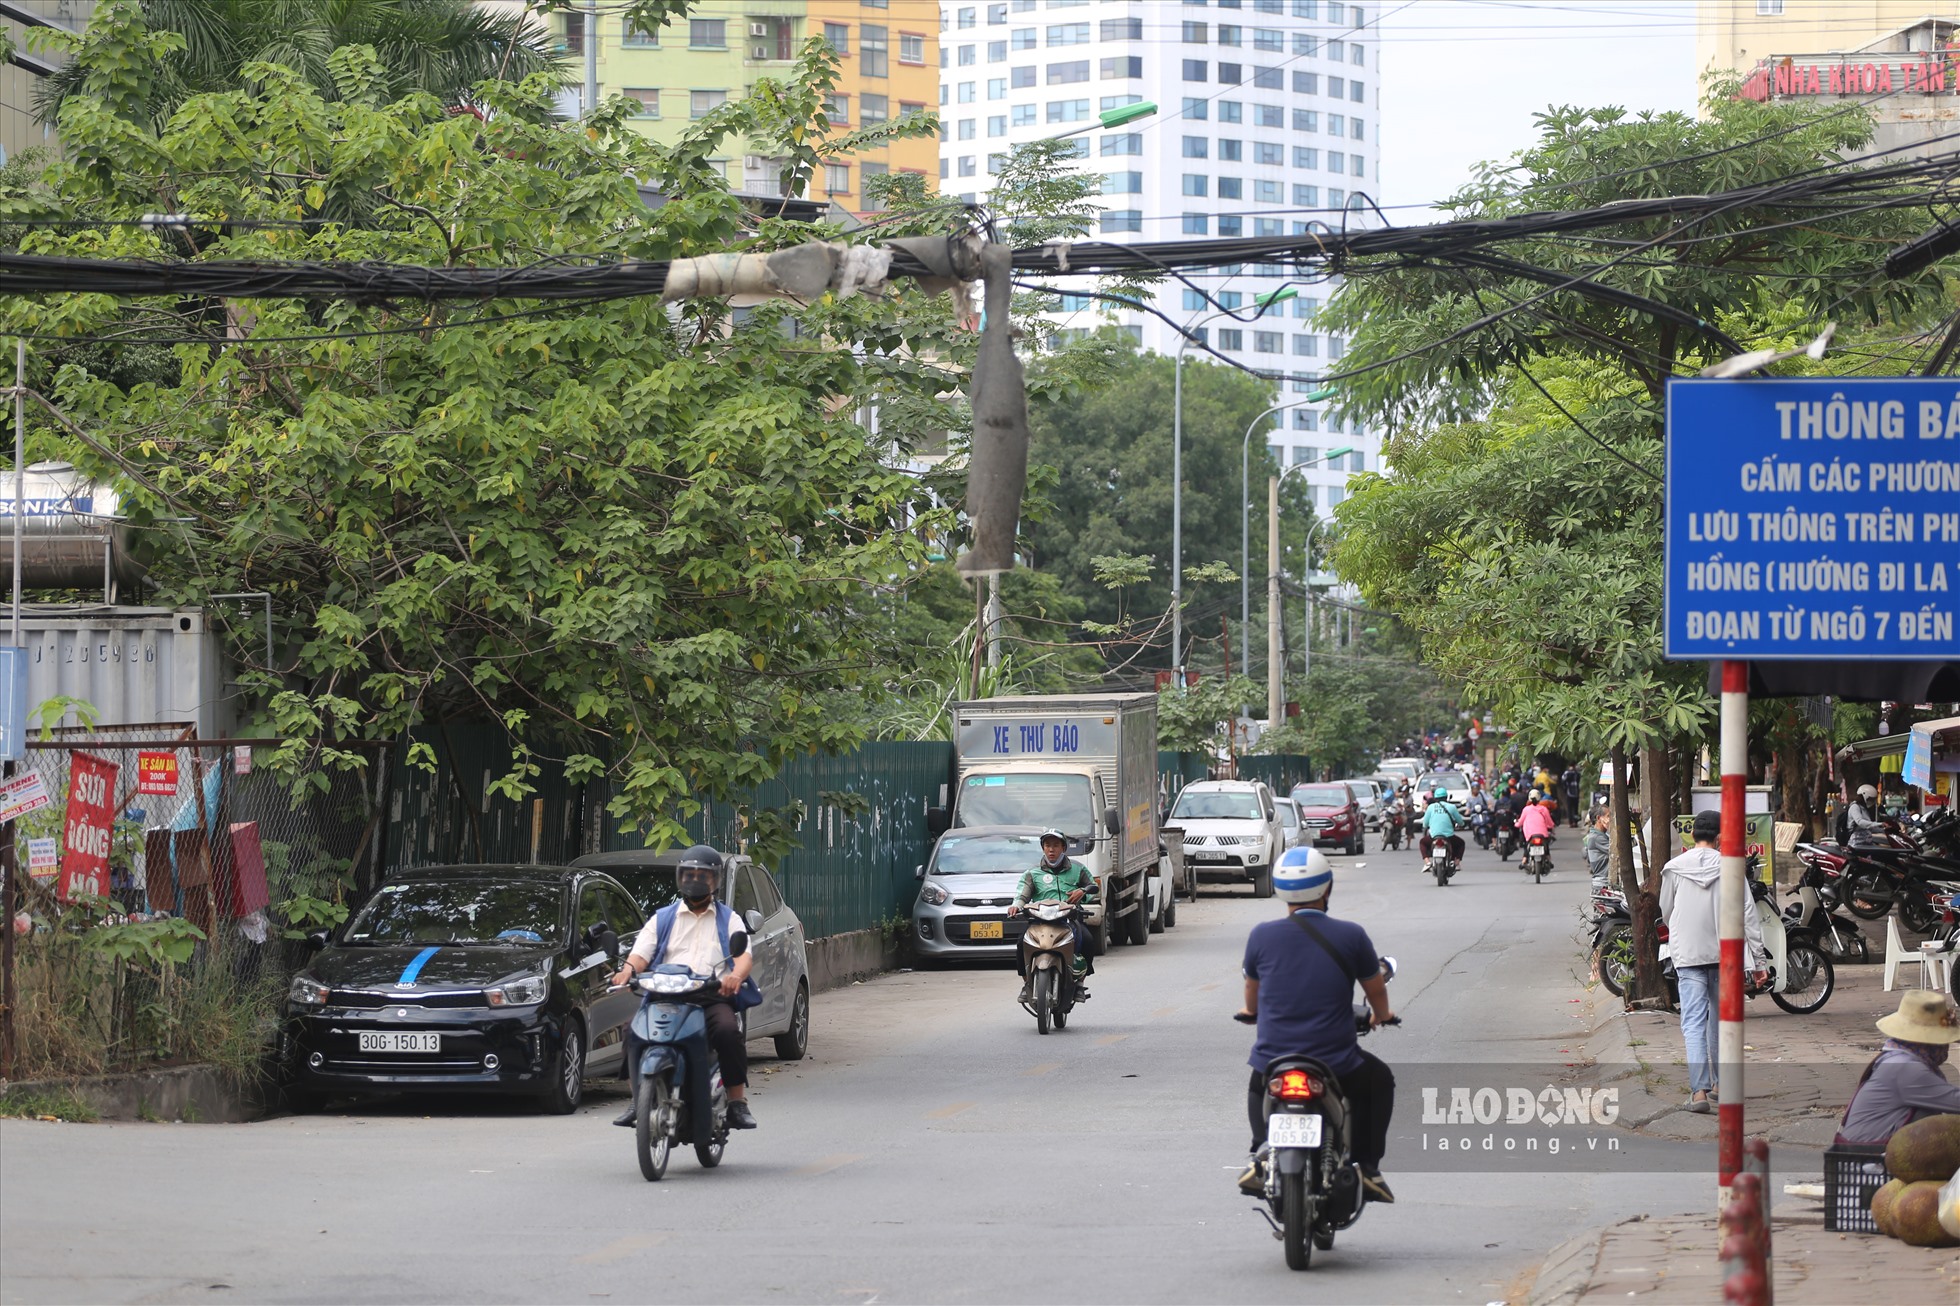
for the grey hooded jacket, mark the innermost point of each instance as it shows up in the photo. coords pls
(1690, 895)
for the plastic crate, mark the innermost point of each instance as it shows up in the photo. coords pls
(1852, 1173)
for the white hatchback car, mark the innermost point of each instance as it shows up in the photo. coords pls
(1231, 830)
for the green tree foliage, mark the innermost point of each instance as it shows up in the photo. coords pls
(1111, 450)
(1356, 709)
(437, 47)
(641, 533)
(1195, 721)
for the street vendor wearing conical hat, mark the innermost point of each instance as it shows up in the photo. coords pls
(1907, 1080)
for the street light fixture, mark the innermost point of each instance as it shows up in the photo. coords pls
(1262, 303)
(1108, 118)
(1275, 671)
(1245, 511)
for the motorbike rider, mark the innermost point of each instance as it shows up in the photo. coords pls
(1441, 820)
(1300, 973)
(1862, 818)
(694, 940)
(1056, 878)
(1536, 819)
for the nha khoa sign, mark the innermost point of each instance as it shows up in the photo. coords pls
(1848, 76)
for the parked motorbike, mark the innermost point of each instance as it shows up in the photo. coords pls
(1612, 941)
(1537, 857)
(1313, 1188)
(1874, 881)
(680, 1097)
(1800, 978)
(1048, 954)
(1818, 898)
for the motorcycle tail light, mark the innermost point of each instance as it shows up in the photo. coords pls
(1295, 1086)
(1660, 931)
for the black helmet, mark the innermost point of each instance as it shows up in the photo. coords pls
(705, 860)
(700, 857)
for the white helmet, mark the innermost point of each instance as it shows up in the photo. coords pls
(1302, 875)
(1867, 791)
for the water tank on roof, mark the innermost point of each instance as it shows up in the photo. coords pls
(72, 532)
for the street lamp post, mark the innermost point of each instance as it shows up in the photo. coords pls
(1245, 512)
(1275, 669)
(1262, 303)
(1306, 607)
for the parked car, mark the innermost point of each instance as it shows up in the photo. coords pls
(1331, 815)
(782, 965)
(967, 887)
(1403, 768)
(1455, 783)
(1231, 828)
(1289, 819)
(465, 978)
(1369, 795)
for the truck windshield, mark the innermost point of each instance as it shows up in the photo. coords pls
(1218, 805)
(1058, 801)
(985, 854)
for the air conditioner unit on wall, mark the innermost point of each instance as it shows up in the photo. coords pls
(754, 163)
(759, 52)
(758, 29)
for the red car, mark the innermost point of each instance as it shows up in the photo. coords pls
(1330, 815)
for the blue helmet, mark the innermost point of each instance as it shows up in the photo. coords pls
(1302, 875)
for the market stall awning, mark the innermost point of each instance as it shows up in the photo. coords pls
(1945, 734)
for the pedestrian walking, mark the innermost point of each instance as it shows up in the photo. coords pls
(1690, 893)
(1569, 782)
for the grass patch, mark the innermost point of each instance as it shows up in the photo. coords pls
(48, 1104)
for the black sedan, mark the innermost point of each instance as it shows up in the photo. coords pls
(484, 978)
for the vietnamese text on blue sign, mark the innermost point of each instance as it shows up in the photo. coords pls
(1813, 518)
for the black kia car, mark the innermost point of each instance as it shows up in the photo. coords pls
(466, 978)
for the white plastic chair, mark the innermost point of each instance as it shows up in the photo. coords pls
(1896, 953)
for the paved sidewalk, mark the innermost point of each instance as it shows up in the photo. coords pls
(1800, 1072)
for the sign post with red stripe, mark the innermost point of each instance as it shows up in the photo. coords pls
(1730, 904)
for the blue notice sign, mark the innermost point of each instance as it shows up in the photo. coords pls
(1813, 518)
(13, 703)
(1917, 767)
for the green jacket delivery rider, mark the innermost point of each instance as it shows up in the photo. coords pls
(1057, 878)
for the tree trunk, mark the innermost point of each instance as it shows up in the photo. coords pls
(1646, 947)
(1660, 813)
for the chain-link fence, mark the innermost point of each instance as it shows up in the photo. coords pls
(159, 889)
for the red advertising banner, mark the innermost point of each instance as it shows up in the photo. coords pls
(156, 773)
(85, 834)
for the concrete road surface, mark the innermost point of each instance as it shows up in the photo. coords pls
(933, 1148)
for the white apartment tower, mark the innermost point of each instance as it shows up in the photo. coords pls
(1267, 124)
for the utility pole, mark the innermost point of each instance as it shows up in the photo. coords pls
(591, 56)
(1275, 669)
(994, 616)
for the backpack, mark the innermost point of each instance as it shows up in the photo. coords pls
(749, 995)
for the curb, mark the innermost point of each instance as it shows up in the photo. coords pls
(188, 1094)
(1568, 1270)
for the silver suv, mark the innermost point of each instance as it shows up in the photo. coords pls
(1231, 830)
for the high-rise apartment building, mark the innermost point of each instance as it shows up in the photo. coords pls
(1267, 124)
(682, 72)
(24, 71)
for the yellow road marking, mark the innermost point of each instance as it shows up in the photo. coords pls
(621, 1248)
(1108, 1039)
(829, 1163)
(950, 1110)
(1043, 1068)
(1163, 1011)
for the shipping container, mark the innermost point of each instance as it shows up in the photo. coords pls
(134, 666)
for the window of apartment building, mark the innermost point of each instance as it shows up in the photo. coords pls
(996, 88)
(1122, 29)
(1336, 161)
(1231, 337)
(838, 109)
(1268, 227)
(1270, 153)
(1228, 34)
(1022, 38)
(1336, 87)
(969, 166)
(1232, 151)
(649, 98)
(1230, 226)
(1068, 111)
(1230, 299)
(1128, 65)
(1268, 115)
(1270, 6)
(1354, 128)
(966, 17)
(702, 103)
(635, 38)
(1068, 33)
(996, 15)
(1336, 198)
(1063, 74)
(1306, 197)
(1197, 224)
(1197, 33)
(1195, 70)
(1194, 300)
(1769, 8)
(1306, 8)
(1123, 220)
(1231, 111)
(1231, 74)
(837, 178)
(966, 93)
(997, 124)
(878, 108)
(1024, 6)
(1306, 347)
(969, 129)
(1356, 93)
(1333, 12)
(1306, 306)
(1266, 192)
(1023, 115)
(1122, 183)
(1021, 77)
(1334, 51)
(707, 33)
(1075, 149)
(874, 200)
(1306, 419)
(912, 49)
(1336, 125)
(996, 52)
(1197, 108)
(1306, 120)
(1268, 38)
(838, 37)
(1197, 147)
(1357, 166)
(1267, 342)
(969, 55)
(1269, 79)
(995, 162)
(1306, 83)
(1231, 188)
(1066, 303)
(874, 50)
(1196, 184)
(1108, 102)
(1122, 143)
(1304, 44)
(1354, 53)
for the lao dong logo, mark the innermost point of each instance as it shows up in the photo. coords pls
(1520, 1106)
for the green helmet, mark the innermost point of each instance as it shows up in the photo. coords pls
(1439, 794)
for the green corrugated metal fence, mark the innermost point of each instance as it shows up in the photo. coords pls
(1280, 770)
(1175, 770)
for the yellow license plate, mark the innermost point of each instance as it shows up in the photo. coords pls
(985, 930)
